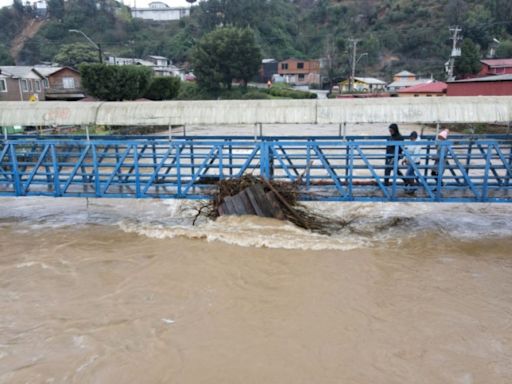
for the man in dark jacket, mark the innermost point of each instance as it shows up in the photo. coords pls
(394, 135)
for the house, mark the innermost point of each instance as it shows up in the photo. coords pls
(20, 83)
(268, 68)
(406, 79)
(496, 85)
(160, 65)
(160, 11)
(434, 89)
(40, 9)
(404, 76)
(495, 67)
(163, 67)
(300, 72)
(159, 61)
(61, 83)
(364, 84)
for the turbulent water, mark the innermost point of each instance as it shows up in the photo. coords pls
(120, 291)
(110, 291)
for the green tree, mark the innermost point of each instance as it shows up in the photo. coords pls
(72, 55)
(115, 83)
(224, 55)
(504, 49)
(469, 61)
(5, 56)
(56, 8)
(163, 88)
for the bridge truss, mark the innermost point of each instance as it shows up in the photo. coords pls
(463, 169)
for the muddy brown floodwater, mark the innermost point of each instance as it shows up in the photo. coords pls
(110, 291)
(130, 292)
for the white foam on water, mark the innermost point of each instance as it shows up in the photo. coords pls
(366, 224)
(246, 231)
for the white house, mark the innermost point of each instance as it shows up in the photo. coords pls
(160, 11)
(161, 66)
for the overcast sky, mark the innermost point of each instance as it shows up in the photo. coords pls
(172, 3)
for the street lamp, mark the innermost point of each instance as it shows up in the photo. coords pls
(97, 46)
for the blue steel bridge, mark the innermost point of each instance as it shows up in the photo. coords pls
(324, 168)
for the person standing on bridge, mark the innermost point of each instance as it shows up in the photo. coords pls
(442, 136)
(394, 135)
(414, 159)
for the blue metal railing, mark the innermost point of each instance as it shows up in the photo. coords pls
(356, 168)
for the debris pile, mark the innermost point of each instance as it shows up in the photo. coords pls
(251, 195)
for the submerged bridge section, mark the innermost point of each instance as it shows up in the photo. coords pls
(463, 169)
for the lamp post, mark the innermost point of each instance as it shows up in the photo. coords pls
(97, 46)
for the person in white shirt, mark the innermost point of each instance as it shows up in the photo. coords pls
(415, 153)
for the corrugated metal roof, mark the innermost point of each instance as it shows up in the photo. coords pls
(225, 112)
(486, 78)
(370, 80)
(24, 72)
(436, 87)
(408, 83)
(47, 71)
(404, 74)
(497, 62)
(158, 57)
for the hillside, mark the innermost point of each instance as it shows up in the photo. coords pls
(395, 34)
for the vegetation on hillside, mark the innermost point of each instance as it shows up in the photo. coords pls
(395, 34)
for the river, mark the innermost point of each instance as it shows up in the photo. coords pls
(119, 291)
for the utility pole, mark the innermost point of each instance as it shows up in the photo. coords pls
(353, 42)
(456, 52)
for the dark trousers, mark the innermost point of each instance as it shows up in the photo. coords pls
(389, 169)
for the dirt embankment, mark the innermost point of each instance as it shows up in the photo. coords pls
(31, 28)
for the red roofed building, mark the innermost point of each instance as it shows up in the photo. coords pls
(496, 67)
(437, 88)
(500, 85)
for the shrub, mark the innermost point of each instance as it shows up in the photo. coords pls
(290, 93)
(115, 83)
(191, 91)
(163, 88)
(256, 95)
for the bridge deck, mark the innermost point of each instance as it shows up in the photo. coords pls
(463, 169)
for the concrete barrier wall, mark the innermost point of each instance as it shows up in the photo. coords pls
(47, 113)
(208, 112)
(225, 112)
(416, 110)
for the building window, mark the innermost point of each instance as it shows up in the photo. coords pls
(68, 82)
(25, 85)
(301, 77)
(3, 85)
(284, 66)
(300, 65)
(37, 86)
(46, 85)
